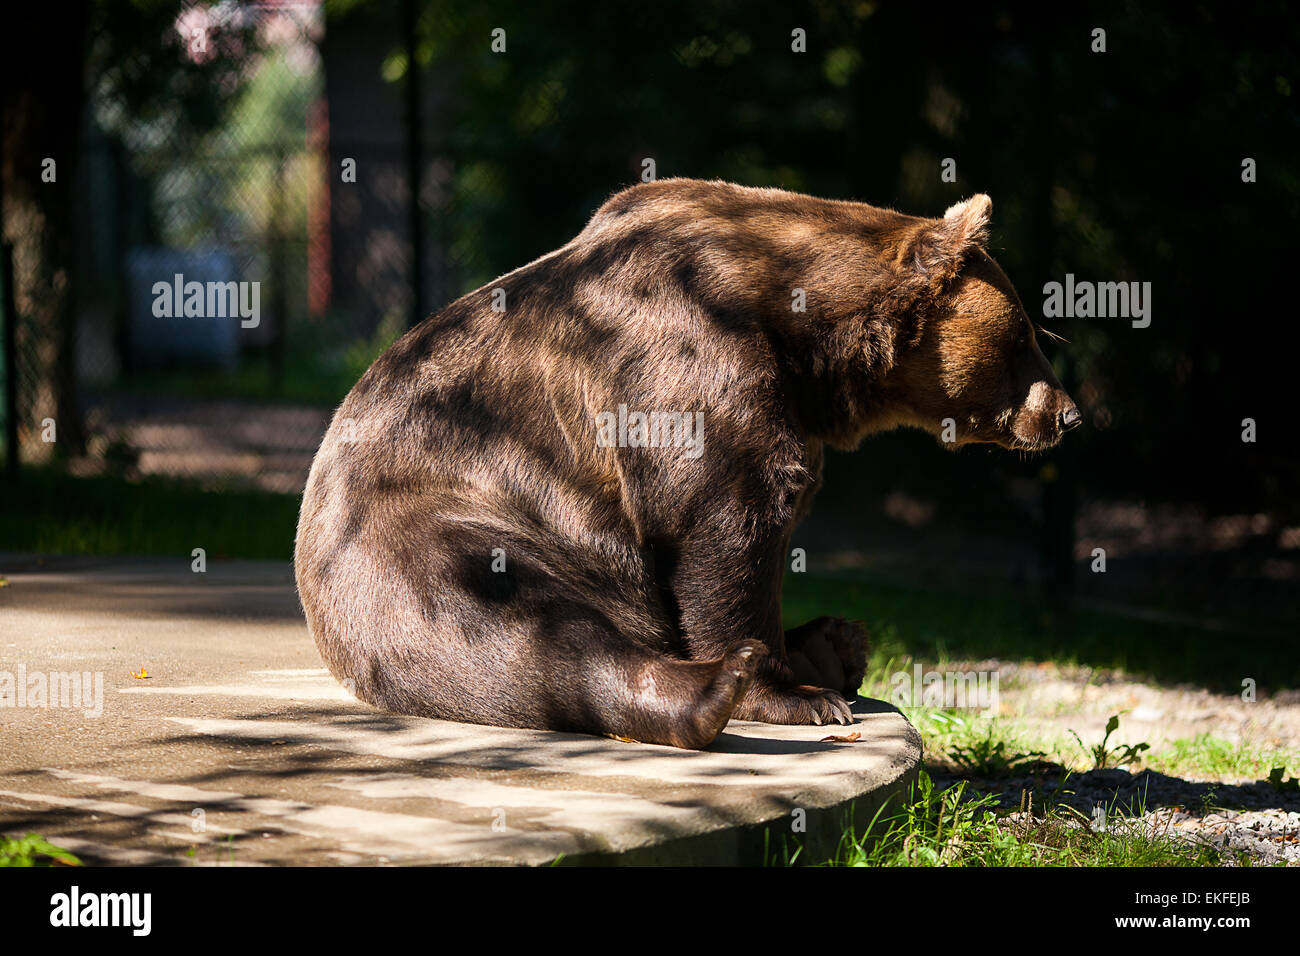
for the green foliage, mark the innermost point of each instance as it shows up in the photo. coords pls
(987, 756)
(936, 828)
(1121, 755)
(49, 512)
(34, 850)
(955, 827)
(1207, 756)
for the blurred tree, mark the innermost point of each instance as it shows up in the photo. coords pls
(40, 110)
(160, 71)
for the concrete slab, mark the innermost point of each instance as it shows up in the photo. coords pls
(240, 748)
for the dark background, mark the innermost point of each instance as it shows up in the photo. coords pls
(1123, 165)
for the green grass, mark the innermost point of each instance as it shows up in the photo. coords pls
(1207, 756)
(48, 512)
(911, 621)
(957, 828)
(34, 850)
(982, 748)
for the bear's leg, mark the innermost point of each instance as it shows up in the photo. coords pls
(614, 687)
(434, 632)
(829, 652)
(725, 593)
(412, 609)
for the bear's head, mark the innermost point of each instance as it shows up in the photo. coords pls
(973, 371)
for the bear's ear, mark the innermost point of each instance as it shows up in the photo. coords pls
(968, 221)
(941, 248)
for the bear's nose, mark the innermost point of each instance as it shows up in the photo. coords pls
(1070, 417)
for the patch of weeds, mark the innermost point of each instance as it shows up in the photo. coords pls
(934, 828)
(34, 850)
(957, 827)
(1110, 836)
(987, 757)
(1121, 755)
(1209, 800)
(784, 855)
(988, 754)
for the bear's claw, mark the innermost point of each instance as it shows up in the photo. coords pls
(800, 704)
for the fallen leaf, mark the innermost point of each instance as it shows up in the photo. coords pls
(845, 739)
(143, 675)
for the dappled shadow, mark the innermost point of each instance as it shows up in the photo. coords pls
(266, 779)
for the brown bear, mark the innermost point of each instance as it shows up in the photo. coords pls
(565, 501)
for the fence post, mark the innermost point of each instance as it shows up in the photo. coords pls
(11, 359)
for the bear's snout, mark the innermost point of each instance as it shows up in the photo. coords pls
(1046, 414)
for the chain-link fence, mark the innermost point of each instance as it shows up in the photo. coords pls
(235, 268)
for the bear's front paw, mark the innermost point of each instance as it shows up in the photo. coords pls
(829, 652)
(799, 704)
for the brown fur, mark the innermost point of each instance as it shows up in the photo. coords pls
(641, 592)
